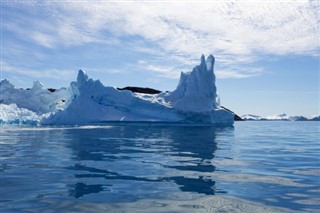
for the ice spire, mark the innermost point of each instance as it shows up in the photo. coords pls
(82, 77)
(199, 86)
(210, 63)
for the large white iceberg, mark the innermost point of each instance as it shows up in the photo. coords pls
(88, 101)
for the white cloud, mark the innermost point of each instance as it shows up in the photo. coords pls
(235, 32)
(43, 39)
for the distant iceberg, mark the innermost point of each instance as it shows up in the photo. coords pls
(280, 117)
(88, 101)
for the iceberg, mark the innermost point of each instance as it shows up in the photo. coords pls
(280, 117)
(11, 114)
(250, 117)
(88, 101)
(37, 99)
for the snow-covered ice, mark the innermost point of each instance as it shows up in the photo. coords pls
(87, 101)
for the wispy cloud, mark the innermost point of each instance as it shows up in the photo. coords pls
(236, 32)
(38, 74)
(163, 71)
(239, 72)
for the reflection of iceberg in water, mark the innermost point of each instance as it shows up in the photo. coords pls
(81, 189)
(142, 156)
(199, 144)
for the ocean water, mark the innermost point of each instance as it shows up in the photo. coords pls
(251, 167)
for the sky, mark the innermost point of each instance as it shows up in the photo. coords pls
(267, 52)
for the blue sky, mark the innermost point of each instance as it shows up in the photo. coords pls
(267, 53)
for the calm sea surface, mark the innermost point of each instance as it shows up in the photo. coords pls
(251, 167)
